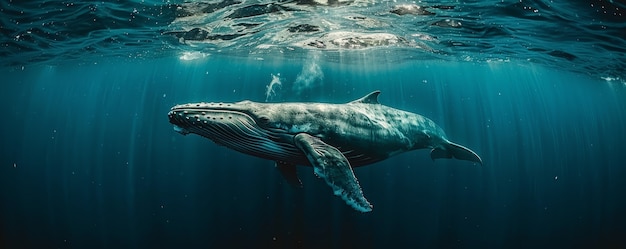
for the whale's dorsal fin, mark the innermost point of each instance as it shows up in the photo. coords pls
(371, 98)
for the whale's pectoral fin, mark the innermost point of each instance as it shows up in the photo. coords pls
(289, 172)
(457, 151)
(329, 164)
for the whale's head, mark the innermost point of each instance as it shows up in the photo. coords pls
(235, 125)
(204, 118)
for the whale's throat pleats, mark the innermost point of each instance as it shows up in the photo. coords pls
(240, 132)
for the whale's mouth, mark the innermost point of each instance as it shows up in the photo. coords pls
(181, 130)
(234, 127)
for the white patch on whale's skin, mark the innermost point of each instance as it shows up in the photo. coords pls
(300, 128)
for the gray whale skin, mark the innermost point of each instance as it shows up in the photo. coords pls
(332, 138)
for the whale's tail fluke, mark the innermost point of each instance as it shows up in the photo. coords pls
(452, 150)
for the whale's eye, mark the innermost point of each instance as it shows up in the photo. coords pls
(264, 120)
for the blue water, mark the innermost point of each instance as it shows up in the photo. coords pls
(582, 36)
(88, 158)
(90, 161)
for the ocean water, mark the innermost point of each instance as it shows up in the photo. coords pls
(88, 158)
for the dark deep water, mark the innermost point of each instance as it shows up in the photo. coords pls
(90, 161)
(88, 158)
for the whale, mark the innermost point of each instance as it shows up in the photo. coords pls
(331, 138)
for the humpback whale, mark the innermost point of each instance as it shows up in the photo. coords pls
(332, 138)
